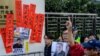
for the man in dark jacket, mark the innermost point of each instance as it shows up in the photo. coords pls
(48, 43)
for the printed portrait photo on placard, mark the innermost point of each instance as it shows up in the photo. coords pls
(59, 49)
(22, 32)
(18, 46)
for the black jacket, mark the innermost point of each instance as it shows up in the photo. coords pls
(47, 51)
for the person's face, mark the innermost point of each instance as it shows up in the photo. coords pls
(86, 39)
(65, 35)
(91, 37)
(19, 41)
(47, 41)
(90, 52)
(59, 48)
(75, 33)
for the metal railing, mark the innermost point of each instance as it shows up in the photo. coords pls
(28, 54)
(85, 22)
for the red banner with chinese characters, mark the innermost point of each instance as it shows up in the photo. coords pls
(18, 12)
(9, 32)
(33, 33)
(26, 16)
(39, 27)
(3, 34)
(32, 22)
(36, 34)
(32, 8)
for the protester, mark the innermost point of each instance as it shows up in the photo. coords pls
(92, 48)
(93, 36)
(48, 42)
(84, 39)
(75, 48)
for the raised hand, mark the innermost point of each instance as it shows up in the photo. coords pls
(69, 24)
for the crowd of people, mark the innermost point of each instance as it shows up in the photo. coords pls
(87, 46)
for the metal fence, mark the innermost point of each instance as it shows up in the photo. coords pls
(28, 54)
(85, 23)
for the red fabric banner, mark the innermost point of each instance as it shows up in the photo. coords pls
(31, 15)
(39, 27)
(9, 29)
(18, 12)
(32, 8)
(31, 22)
(33, 33)
(26, 16)
(36, 34)
(3, 34)
(9, 32)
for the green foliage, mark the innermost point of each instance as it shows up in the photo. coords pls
(74, 6)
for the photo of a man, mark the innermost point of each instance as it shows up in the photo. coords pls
(59, 50)
(22, 32)
(18, 44)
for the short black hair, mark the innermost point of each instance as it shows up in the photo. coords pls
(19, 39)
(49, 36)
(61, 44)
(93, 34)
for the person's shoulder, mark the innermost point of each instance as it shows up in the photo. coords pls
(77, 49)
(15, 45)
(77, 46)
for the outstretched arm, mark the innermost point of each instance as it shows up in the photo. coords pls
(70, 34)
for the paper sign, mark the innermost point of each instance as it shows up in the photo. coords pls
(26, 45)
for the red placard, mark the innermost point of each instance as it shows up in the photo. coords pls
(32, 8)
(3, 34)
(9, 32)
(36, 34)
(18, 12)
(39, 27)
(25, 16)
(31, 15)
(8, 49)
(33, 33)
